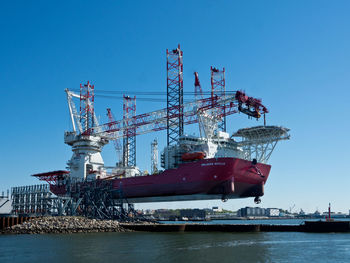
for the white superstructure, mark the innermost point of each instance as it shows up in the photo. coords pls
(86, 162)
(256, 143)
(220, 145)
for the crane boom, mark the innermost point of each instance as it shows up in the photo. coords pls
(157, 120)
(75, 117)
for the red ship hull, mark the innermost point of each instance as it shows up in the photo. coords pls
(220, 178)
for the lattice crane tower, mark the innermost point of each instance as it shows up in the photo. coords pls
(218, 91)
(87, 106)
(129, 140)
(175, 126)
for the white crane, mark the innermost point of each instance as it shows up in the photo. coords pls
(86, 162)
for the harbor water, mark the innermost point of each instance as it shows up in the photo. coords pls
(177, 247)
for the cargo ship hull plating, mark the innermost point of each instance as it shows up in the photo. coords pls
(219, 178)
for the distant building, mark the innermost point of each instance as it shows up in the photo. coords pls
(217, 209)
(251, 211)
(258, 211)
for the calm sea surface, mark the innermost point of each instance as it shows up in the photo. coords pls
(176, 247)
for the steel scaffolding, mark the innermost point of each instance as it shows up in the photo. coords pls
(31, 199)
(93, 199)
(97, 199)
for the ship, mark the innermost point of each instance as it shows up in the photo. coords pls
(213, 165)
(196, 169)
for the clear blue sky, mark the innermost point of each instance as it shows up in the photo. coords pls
(295, 55)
